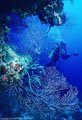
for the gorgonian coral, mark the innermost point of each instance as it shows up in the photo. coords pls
(56, 92)
(32, 36)
(51, 99)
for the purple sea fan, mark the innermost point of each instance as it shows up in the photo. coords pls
(31, 36)
(57, 93)
(52, 99)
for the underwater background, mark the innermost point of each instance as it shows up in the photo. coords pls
(41, 60)
(72, 35)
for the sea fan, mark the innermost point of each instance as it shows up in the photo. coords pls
(52, 99)
(31, 35)
(56, 92)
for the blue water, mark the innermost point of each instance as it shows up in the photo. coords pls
(72, 34)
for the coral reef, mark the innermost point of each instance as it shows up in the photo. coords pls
(12, 66)
(42, 93)
(52, 13)
(30, 90)
(49, 11)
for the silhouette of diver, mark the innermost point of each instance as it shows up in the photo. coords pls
(58, 51)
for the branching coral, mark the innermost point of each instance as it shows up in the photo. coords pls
(54, 95)
(60, 95)
(49, 100)
(32, 77)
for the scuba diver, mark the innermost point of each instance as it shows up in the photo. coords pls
(58, 51)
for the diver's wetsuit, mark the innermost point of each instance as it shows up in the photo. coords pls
(59, 51)
(55, 57)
